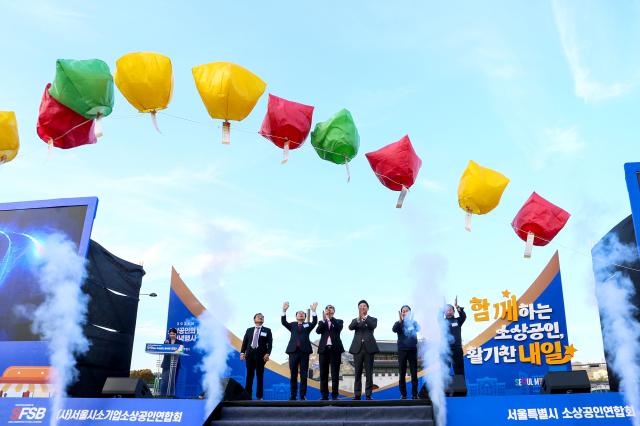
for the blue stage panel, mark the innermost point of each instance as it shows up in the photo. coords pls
(570, 409)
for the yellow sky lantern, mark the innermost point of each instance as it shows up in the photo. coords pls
(480, 190)
(9, 140)
(228, 91)
(145, 79)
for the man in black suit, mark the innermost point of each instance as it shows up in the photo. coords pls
(299, 348)
(363, 348)
(330, 351)
(407, 329)
(455, 335)
(256, 348)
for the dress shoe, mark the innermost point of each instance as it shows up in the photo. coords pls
(303, 398)
(324, 398)
(293, 398)
(369, 398)
(356, 398)
(415, 397)
(403, 397)
(334, 398)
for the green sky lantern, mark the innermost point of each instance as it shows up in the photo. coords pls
(85, 86)
(337, 139)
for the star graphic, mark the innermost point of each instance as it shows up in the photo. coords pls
(506, 293)
(570, 350)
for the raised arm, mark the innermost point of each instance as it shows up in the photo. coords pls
(313, 315)
(283, 320)
(397, 327)
(322, 325)
(462, 314)
(339, 325)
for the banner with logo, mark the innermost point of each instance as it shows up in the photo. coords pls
(606, 408)
(98, 411)
(526, 339)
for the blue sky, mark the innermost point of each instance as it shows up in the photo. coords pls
(544, 92)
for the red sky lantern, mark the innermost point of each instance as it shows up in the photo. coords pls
(62, 127)
(538, 222)
(286, 124)
(396, 166)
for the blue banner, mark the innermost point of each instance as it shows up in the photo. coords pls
(569, 409)
(107, 411)
(528, 339)
(161, 348)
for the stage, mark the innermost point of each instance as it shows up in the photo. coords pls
(607, 408)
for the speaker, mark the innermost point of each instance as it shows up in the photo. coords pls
(126, 387)
(566, 382)
(457, 387)
(233, 391)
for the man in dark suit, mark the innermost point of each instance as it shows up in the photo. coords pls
(299, 348)
(330, 351)
(363, 348)
(455, 335)
(407, 329)
(256, 349)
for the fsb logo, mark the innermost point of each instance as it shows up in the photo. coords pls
(25, 413)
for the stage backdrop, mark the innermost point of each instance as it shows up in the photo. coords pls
(526, 338)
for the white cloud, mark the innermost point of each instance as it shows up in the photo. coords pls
(431, 185)
(557, 141)
(563, 140)
(575, 49)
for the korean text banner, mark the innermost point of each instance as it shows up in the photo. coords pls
(527, 339)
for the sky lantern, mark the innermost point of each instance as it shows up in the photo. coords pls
(145, 79)
(480, 190)
(85, 86)
(228, 91)
(538, 222)
(337, 139)
(9, 139)
(396, 166)
(286, 124)
(62, 127)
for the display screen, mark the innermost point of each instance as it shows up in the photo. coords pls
(23, 227)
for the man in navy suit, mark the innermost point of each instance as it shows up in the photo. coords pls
(299, 348)
(256, 349)
(330, 350)
(363, 347)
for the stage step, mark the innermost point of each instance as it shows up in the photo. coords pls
(326, 413)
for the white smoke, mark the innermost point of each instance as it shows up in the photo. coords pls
(213, 337)
(61, 316)
(434, 349)
(620, 329)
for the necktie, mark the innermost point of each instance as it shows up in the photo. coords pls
(299, 333)
(254, 342)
